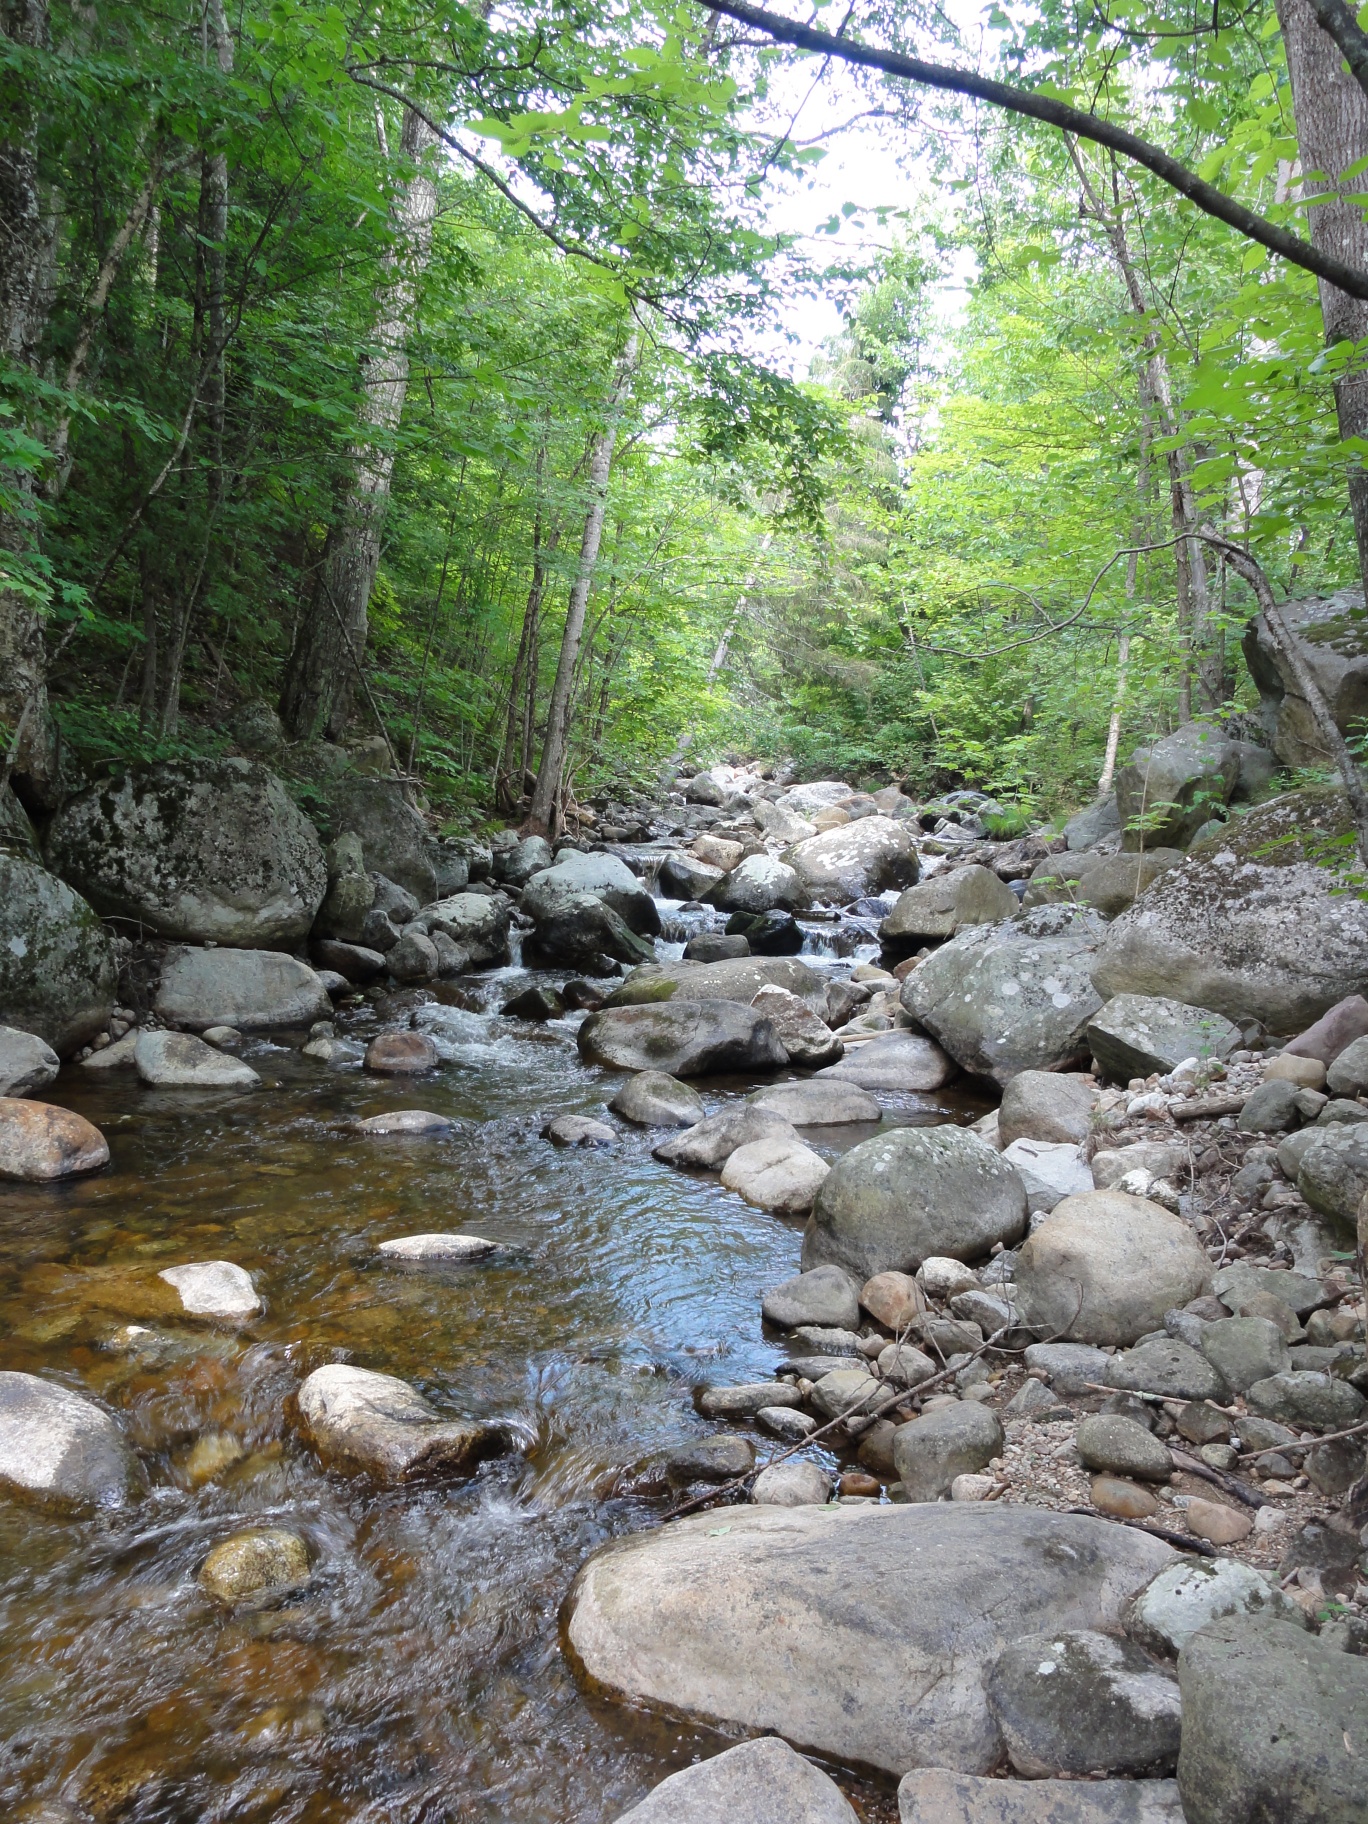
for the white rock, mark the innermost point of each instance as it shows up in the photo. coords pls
(27, 1062)
(1187, 1595)
(121, 1052)
(359, 1420)
(437, 1247)
(61, 1448)
(178, 1060)
(403, 1121)
(972, 1488)
(214, 1288)
(945, 1278)
(761, 1782)
(776, 1174)
(1050, 1170)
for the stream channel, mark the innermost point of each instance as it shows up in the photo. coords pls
(420, 1678)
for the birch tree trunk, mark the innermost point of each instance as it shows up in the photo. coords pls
(545, 792)
(330, 639)
(1332, 133)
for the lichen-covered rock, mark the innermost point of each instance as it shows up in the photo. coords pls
(605, 877)
(1255, 925)
(944, 905)
(1332, 634)
(199, 850)
(477, 922)
(576, 930)
(757, 884)
(242, 988)
(1075, 1701)
(1014, 996)
(351, 891)
(1333, 1171)
(393, 836)
(1165, 792)
(1135, 1035)
(57, 971)
(854, 860)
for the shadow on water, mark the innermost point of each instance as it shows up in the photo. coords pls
(419, 1679)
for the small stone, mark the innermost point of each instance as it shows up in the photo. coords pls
(972, 1488)
(578, 1130)
(791, 1485)
(437, 1246)
(403, 1121)
(856, 1483)
(717, 1459)
(255, 1568)
(401, 1053)
(891, 1299)
(1219, 1456)
(1214, 1521)
(40, 1142)
(1305, 1073)
(214, 1288)
(749, 1397)
(222, 1036)
(786, 1422)
(1120, 1446)
(944, 1279)
(824, 1295)
(945, 1442)
(1127, 1500)
(904, 1366)
(538, 1004)
(1032, 1400)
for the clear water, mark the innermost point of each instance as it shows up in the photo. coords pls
(420, 1679)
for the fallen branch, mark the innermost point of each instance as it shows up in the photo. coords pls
(1184, 1541)
(1329, 1437)
(1208, 1110)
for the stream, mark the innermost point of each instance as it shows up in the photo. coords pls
(420, 1678)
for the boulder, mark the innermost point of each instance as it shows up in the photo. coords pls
(477, 922)
(1110, 1441)
(1189, 1594)
(1275, 1724)
(862, 1632)
(909, 1193)
(793, 1484)
(895, 1061)
(413, 958)
(686, 877)
(703, 788)
(945, 904)
(949, 1441)
(1088, 827)
(578, 1130)
(379, 1426)
(351, 891)
(1011, 997)
(438, 1246)
(394, 839)
(776, 1174)
(1271, 1109)
(1104, 1267)
(242, 988)
(1333, 1032)
(1076, 1701)
(654, 1098)
(1310, 1400)
(57, 972)
(760, 883)
(1046, 1105)
(738, 979)
(1156, 1157)
(28, 1063)
(1134, 1035)
(780, 824)
(816, 795)
(1167, 791)
(40, 1142)
(353, 961)
(1330, 635)
(1243, 1350)
(938, 1797)
(824, 1296)
(711, 1142)
(768, 933)
(1050, 1170)
(808, 1040)
(818, 1103)
(60, 1449)
(202, 850)
(1114, 884)
(1253, 926)
(715, 947)
(1166, 1366)
(1333, 1171)
(854, 861)
(253, 1569)
(1348, 1075)
(760, 1782)
(605, 877)
(178, 1060)
(401, 1054)
(1072, 1367)
(577, 930)
(529, 856)
(691, 1038)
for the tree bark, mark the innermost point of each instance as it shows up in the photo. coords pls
(29, 749)
(558, 712)
(1332, 134)
(316, 698)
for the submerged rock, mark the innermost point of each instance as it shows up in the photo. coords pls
(60, 1448)
(214, 1288)
(653, 1098)
(178, 1060)
(419, 1121)
(358, 1420)
(253, 1569)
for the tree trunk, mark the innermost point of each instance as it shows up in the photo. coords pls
(1332, 133)
(29, 755)
(331, 636)
(719, 659)
(1104, 784)
(558, 712)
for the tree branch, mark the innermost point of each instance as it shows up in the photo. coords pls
(1203, 195)
(1338, 22)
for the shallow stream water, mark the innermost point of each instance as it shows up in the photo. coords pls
(420, 1679)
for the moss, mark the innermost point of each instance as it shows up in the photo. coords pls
(642, 994)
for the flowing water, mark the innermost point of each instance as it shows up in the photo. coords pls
(420, 1679)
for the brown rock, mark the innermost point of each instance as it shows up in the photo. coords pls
(1217, 1523)
(401, 1053)
(892, 1299)
(1346, 1021)
(854, 1482)
(876, 1449)
(1127, 1500)
(1306, 1073)
(39, 1141)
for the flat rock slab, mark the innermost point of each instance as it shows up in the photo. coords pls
(814, 1104)
(214, 1288)
(861, 1633)
(178, 1060)
(1134, 1035)
(61, 1449)
(242, 988)
(579, 1130)
(358, 1420)
(762, 1782)
(437, 1247)
(937, 1797)
(403, 1121)
(826, 1295)
(896, 1061)
(40, 1142)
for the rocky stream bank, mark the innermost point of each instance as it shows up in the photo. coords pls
(488, 1324)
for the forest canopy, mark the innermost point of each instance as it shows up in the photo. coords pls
(402, 378)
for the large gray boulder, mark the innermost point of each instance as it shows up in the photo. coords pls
(1193, 1592)
(1254, 925)
(687, 1039)
(949, 1441)
(684, 876)
(525, 858)
(935, 1796)
(945, 904)
(854, 860)
(895, 1200)
(28, 1063)
(903, 1061)
(862, 1633)
(761, 1782)
(781, 824)
(1104, 1267)
(605, 876)
(57, 973)
(1134, 1035)
(757, 884)
(351, 891)
(1074, 1701)
(1275, 1725)
(243, 988)
(202, 850)
(178, 1060)
(60, 1449)
(476, 922)
(376, 1424)
(1011, 997)
(574, 930)
(393, 835)
(826, 1297)
(1167, 791)
(1332, 635)
(1333, 1173)
(1086, 828)
(738, 978)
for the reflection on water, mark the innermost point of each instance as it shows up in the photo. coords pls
(420, 1678)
